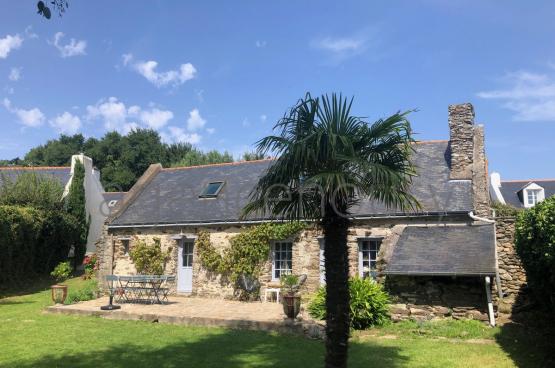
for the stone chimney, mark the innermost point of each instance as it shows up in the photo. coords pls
(461, 132)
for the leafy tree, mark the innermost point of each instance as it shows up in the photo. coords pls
(117, 177)
(252, 156)
(196, 157)
(29, 189)
(327, 161)
(56, 152)
(535, 245)
(176, 152)
(75, 206)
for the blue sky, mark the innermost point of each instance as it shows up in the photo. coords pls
(219, 74)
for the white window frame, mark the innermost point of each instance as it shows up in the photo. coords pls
(361, 259)
(536, 192)
(275, 244)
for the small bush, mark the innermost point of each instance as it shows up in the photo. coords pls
(62, 271)
(149, 259)
(535, 245)
(369, 304)
(88, 292)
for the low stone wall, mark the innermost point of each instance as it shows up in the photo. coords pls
(426, 297)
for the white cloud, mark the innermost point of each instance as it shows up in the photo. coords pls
(340, 48)
(31, 118)
(260, 44)
(531, 96)
(148, 70)
(112, 112)
(339, 45)
(29, 32)
(179, 135)
(73, 48)
(66, 123)
(115, 115)
(263, 118)
(15, 74)
(156, 118)
(210, 130)
(8, 44)
(246, 123)
(195, 121)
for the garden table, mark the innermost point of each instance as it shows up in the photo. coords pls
(143, 288)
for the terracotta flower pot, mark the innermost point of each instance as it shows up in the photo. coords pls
(291, 305)
(59, 293)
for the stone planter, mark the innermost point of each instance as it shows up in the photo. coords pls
(59, 293)
(291, 305)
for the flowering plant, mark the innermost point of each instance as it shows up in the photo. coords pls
(90, 263)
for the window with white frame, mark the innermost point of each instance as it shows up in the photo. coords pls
(282, 263)
(368, 256)
(533, 196)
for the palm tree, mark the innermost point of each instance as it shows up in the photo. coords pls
(327, 160)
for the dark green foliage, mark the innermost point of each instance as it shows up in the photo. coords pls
(56, 152)
(149, 259)
(535, 245)
(505, 210)
(75, 206)
(32, 190)
(369, 304)
(33, 242)
(252, 156)
(196, 157)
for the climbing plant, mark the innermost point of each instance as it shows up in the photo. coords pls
(248, 250)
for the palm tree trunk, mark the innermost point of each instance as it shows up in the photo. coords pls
(337, 289)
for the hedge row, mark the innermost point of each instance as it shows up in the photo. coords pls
(535, 245)
(33, 242)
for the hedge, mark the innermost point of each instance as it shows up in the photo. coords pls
(33, 242)
(535, 245)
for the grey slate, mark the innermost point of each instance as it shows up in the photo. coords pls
(172, 197)
(62, 174)
(511, 190)
(467, 250)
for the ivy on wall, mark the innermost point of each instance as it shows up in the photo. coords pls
(248, 250)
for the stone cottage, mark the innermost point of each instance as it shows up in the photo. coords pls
(436, 262)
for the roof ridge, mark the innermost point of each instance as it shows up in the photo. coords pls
(432, 141)
(525, 180)
(218, 164)
(34, 167)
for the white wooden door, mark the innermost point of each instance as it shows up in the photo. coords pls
(322, 263)
(185, 267)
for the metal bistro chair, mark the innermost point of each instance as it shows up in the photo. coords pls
(165, 289)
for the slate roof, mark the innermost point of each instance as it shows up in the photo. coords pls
(467, 250)
(172, 196)
(510, 190)
(61, 173)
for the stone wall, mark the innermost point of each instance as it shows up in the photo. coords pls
(480, 183)
(511, 272)
(436, 297)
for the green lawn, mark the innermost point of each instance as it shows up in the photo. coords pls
(31, 338)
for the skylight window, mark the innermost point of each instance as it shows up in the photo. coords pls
(212, 189)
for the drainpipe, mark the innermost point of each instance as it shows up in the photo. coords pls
(490, 303)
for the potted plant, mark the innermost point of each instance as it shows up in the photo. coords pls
(291, 299)
(60, 273)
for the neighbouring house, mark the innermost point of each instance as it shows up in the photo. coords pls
(520, 193)
(439, 261)
(98, 204)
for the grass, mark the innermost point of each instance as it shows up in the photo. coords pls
(31, 338)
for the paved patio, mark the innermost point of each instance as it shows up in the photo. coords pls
(194, 311)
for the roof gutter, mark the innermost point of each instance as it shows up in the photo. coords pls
(248, 222)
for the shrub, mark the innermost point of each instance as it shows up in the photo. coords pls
(149, 259)
(62, 271)
(535, 245)
(505, 210)
(88, 292)
(89, 263)
(369, 304)
(32, 190)
(75, 205)
(33, 242)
